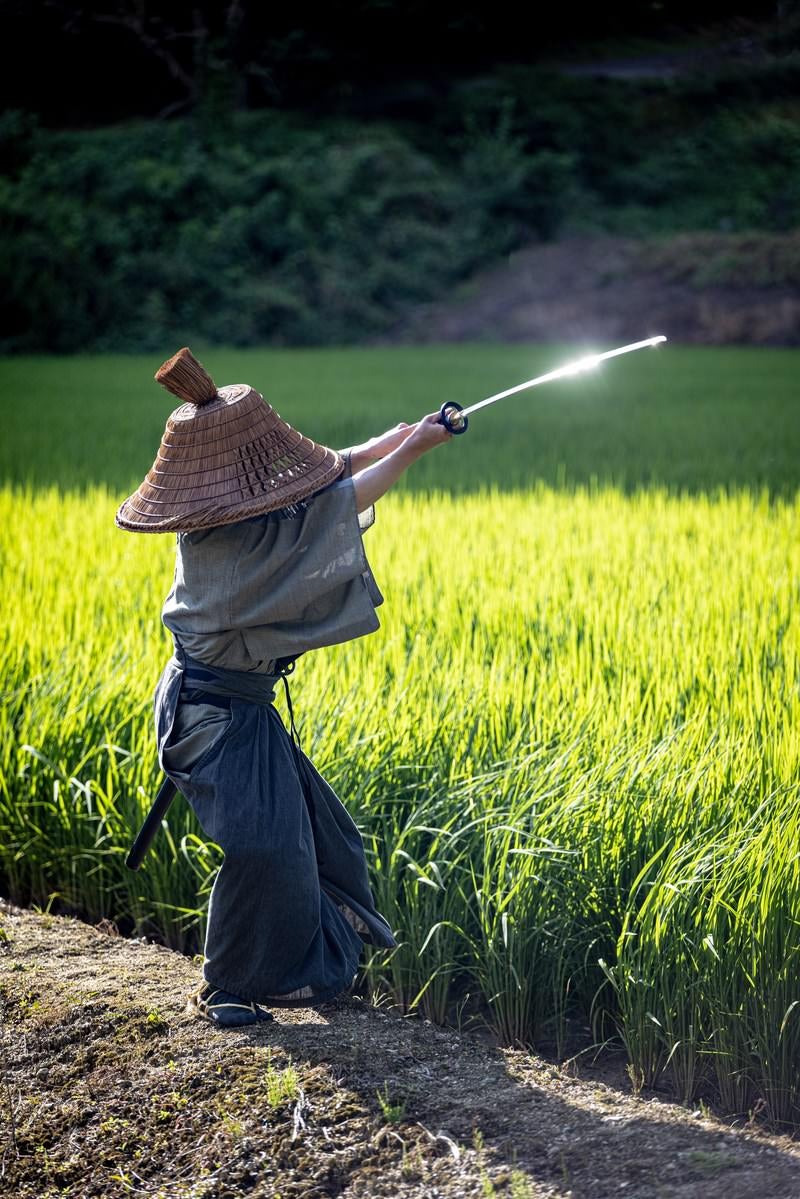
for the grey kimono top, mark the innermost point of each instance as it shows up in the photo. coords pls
(291, 905)
(275, 585)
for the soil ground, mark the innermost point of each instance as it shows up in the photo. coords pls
(703, 289)
(109, 1088)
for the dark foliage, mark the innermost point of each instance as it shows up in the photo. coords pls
(269, 227)
(111, 60)
(274, 235)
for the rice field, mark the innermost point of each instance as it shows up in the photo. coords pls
(573, 749)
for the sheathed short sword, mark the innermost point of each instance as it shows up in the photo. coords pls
(166, 793)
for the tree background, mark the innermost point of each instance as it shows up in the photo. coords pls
(79, 64)
(310, 174)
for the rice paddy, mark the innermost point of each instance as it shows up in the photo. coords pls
(572, 749)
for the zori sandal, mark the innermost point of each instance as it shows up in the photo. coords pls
(224, 1008)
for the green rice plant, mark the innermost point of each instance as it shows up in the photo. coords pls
(572, 751)
(416, 868)
(756, 934)
(685, 418)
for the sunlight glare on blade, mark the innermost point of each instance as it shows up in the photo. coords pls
(572, 368)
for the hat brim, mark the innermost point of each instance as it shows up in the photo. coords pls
(226, 461)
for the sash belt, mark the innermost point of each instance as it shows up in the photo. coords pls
(211, 684)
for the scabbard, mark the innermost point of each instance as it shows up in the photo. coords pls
(166, 793)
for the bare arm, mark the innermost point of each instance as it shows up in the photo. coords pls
(377, 447)
(375, 480)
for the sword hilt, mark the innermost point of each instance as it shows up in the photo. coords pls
(449, 416)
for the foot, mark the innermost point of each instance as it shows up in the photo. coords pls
(224, 1008)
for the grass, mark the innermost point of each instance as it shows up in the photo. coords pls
(572, 749)
(392, 1111)
(687, 419)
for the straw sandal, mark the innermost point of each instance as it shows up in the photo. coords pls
(223, 1008)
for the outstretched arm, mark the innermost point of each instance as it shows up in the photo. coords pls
(375, 480)
(377, 447)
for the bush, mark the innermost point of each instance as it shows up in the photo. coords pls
(132, 237)
(735, 173)
(268, 228)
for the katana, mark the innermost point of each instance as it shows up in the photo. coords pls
(455, 417)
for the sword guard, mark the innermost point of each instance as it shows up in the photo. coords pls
(450, 418)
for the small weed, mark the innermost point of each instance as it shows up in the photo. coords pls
(636, 1076)
(171, 1104)
(232, 1124)
(155, 1022)
(709, 1162)
(281, 1085)
(113, 1123)
(29, 1002)
(487, 1186)
(393, 1113)
(520, 1186)
(412, 1165)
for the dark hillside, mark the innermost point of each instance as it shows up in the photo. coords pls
(354, 189)
(83, 65)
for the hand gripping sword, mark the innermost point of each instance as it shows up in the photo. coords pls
(455, 418)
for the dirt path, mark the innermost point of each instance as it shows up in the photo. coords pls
(107, 1088)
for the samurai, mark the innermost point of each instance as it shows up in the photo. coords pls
(270, 565)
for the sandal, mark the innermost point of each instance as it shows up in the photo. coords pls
(224, 1008)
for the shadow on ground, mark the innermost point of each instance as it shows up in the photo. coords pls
(110, 1088)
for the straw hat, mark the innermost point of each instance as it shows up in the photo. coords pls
(225, 455)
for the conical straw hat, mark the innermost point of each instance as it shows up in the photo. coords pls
(225, 455)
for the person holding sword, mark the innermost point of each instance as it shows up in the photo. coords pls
(270, 565)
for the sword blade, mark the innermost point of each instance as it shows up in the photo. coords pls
(571, 368)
